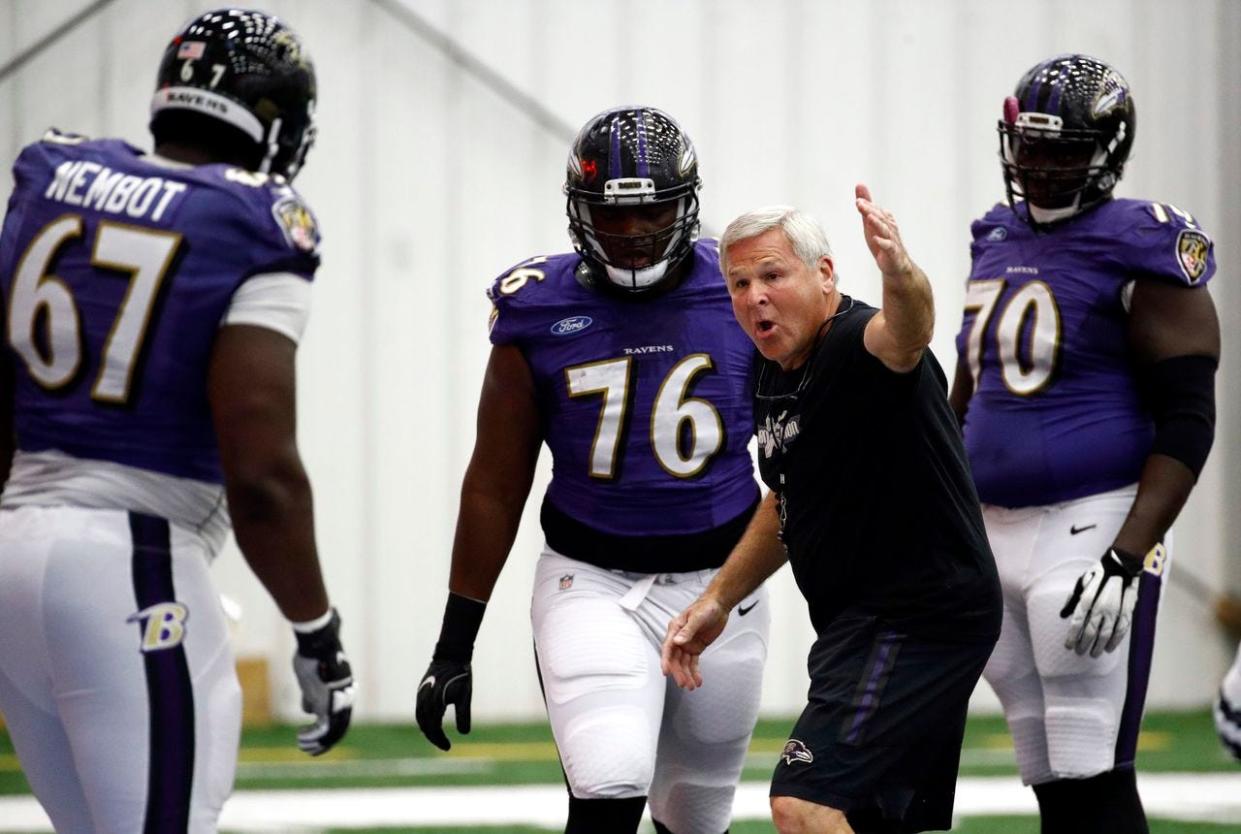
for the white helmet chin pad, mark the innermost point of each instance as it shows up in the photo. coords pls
(630, 279)
(1045, 216)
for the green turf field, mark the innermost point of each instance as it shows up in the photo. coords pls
(398, 756)
(390, 756)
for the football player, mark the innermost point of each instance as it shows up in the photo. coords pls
(154, 304)
(1085, 383)
(624, 358)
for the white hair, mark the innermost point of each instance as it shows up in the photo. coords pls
(802, 231)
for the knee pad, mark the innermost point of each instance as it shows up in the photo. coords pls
(1081, 737)
(607, 753)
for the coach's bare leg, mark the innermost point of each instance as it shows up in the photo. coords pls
(797, 816)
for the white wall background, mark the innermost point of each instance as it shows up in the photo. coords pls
(444, 126)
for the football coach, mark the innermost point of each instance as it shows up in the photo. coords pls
(872, 502)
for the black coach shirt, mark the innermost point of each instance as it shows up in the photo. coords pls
(877, 506)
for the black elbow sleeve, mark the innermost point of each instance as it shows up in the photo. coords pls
(1180, 393)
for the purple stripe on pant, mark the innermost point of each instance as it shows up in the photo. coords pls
(170, 693)
(1141, 645)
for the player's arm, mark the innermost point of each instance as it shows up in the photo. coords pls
(1175, 342)
(493, 495)
(251, 387)
(758, 555)
(1174, 337)
(899, 333)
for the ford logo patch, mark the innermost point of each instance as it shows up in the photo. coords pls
(573, 324)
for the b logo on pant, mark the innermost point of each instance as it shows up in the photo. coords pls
(163, 625)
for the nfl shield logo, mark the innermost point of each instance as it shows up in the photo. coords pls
(566, 582)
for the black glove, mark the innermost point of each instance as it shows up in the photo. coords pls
(1102, 603)
(327, 685)
(448, 679)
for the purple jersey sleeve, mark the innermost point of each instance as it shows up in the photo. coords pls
(1056, 413)
(146, 258)
(1162, 241)
(646, 403)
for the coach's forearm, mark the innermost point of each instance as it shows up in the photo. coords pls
(909, 309)
(758, 555)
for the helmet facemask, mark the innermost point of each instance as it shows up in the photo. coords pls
(634, 262)
(632, 186)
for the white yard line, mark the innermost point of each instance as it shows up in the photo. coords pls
(1213, 797)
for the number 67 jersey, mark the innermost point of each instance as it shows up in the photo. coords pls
(116, 273)
(645, 404)
(1056, 413)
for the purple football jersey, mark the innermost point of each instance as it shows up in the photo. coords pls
(1056, 413)
(116, 272)
(646, 403)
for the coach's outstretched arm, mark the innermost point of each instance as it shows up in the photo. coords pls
(493, 494)
(252, 389)
(758, 555)
(899, 333)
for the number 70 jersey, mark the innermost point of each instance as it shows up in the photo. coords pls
(1056, 413)
(645, 402)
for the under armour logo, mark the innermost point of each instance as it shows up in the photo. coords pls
(163, 625)
(795, 751)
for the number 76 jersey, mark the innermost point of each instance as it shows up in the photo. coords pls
(1056, 412)
(645, 402)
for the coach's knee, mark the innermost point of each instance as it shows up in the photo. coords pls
(791, 815)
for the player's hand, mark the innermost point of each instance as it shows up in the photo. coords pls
(688, 635)
(327, 685)
(1102, 602)
(883, 237)
(446, 682)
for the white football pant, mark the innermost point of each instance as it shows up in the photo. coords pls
(1071, 716)
(622, 728)
(117, 680)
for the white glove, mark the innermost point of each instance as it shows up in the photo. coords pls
(1102, 602)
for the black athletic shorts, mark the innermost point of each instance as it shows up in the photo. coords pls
(881, 736)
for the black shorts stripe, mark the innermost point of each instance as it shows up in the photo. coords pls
(1141, 647)
(170, 693)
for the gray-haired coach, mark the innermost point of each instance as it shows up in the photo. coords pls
(872, 501)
